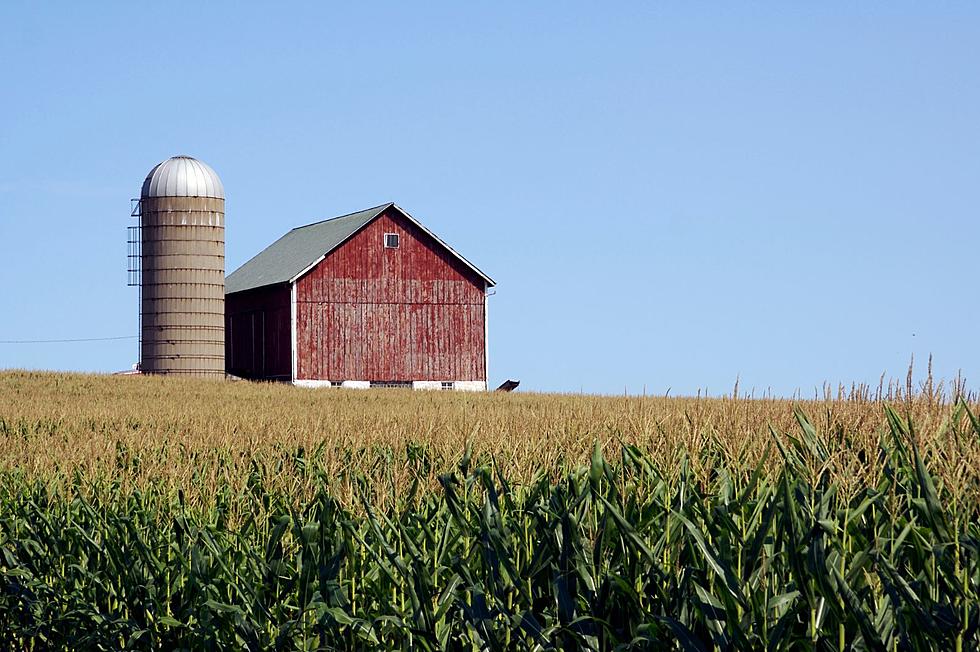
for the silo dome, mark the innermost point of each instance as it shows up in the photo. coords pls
(182, 176)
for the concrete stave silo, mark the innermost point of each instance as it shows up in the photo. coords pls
(182, 227)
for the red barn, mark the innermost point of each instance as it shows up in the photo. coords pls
(367, 299)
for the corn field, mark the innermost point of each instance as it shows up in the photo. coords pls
(144, 513)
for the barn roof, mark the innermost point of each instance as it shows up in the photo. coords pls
(292, 255)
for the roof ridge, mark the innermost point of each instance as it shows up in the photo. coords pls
(340, 217)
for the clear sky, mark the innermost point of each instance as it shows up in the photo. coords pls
(668, 195)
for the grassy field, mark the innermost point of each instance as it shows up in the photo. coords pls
(155, 513)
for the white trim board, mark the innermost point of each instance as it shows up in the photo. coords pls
(292, 328)
(486, 339)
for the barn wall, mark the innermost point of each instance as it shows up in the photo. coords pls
(370, 313)
(257, 333)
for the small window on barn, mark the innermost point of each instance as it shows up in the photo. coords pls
(447, 384)
(391, 241)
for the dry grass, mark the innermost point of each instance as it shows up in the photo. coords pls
(163, 434)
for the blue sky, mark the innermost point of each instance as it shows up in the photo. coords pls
(668, 195)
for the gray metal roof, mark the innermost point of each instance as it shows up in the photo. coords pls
(182, 176)
(293, 254)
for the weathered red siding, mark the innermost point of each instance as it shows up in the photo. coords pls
(370, 313)
(257, 333)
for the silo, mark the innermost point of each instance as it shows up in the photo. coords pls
(182, 300)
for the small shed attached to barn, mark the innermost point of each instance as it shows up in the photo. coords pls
(372, 298)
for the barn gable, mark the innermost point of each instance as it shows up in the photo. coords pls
(295, 253)
(372, 313)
